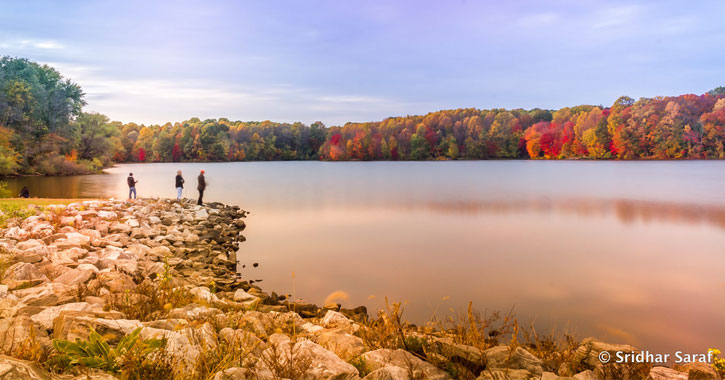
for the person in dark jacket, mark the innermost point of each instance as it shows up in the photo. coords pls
(25, 193)
(201, 187)
(131, 186)
(179, 184)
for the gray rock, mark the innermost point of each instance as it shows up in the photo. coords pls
(241, 296)
(587, 354)
(664, 373)
(389, 373)
(193, 312)
(70, 325)
(46, 317)
(335, 319)
(15, 331)
(324, 364)
(23, 275)
(507, 374)
(518, 358)
(343, 344)
(16, 369)
(402, 359)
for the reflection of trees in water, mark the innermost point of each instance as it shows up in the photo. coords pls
(627, 211)
(51, 187)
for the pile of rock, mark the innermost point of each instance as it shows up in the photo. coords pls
(68, 265)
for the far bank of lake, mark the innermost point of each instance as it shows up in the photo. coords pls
(626, 251)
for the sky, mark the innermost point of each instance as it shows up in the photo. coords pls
(364, 60)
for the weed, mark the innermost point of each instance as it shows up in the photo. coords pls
(219, 357)
(718, 363)
(386, 330)
(630, 371)
(285, 361)
(361, 365)
(96, 352)
(151, 300)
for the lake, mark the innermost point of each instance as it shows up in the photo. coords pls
(628, 252)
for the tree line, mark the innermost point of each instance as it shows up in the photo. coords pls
(43, 130)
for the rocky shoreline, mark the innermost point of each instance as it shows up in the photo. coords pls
(167, 271)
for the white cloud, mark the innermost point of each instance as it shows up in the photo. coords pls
(152, 101)
(31, 44)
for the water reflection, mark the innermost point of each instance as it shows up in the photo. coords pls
(627, 251)
(627, 211)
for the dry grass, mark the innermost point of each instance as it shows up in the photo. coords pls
(386, 330)
(285, 361)
(150, 301)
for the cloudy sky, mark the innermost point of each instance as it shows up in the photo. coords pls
(338, 61)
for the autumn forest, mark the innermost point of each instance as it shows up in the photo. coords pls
(44, 130)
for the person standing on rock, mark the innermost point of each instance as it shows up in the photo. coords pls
(201, 187)
(179, 184)
(131, 186)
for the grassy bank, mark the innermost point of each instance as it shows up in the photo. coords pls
(25, 207)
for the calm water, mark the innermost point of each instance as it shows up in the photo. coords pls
(626, 251)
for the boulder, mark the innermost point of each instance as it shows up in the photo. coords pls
(16, 369)
(21, 275)
(586, 375)
(403, 359)
(699, 371)
(664, 373)
(323, 364)
(116, 282)
(243, 338)
(587, 354)
(70, 325)
(107, 214)
(185, 344)
(193, 312)
(468, 356)
(202, 293)
(72, 239)
(343, 344)
(16, 331)
(75, 277)
(241, 296)
(29, 244)
(48, 294)
(335, 319)
(127, 266)
(46, 317)
(518, 358)
(17, 233)
(507, 374)
(68, 256)
(389, 373)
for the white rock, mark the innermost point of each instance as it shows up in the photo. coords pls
(335, 319)
(107, 214)
(16, 233)
(203, 293)
(400, 358)
(74, 277)
(45, 318)
(241, 296)
(664, 373)
(201, 214)
(324, 364)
